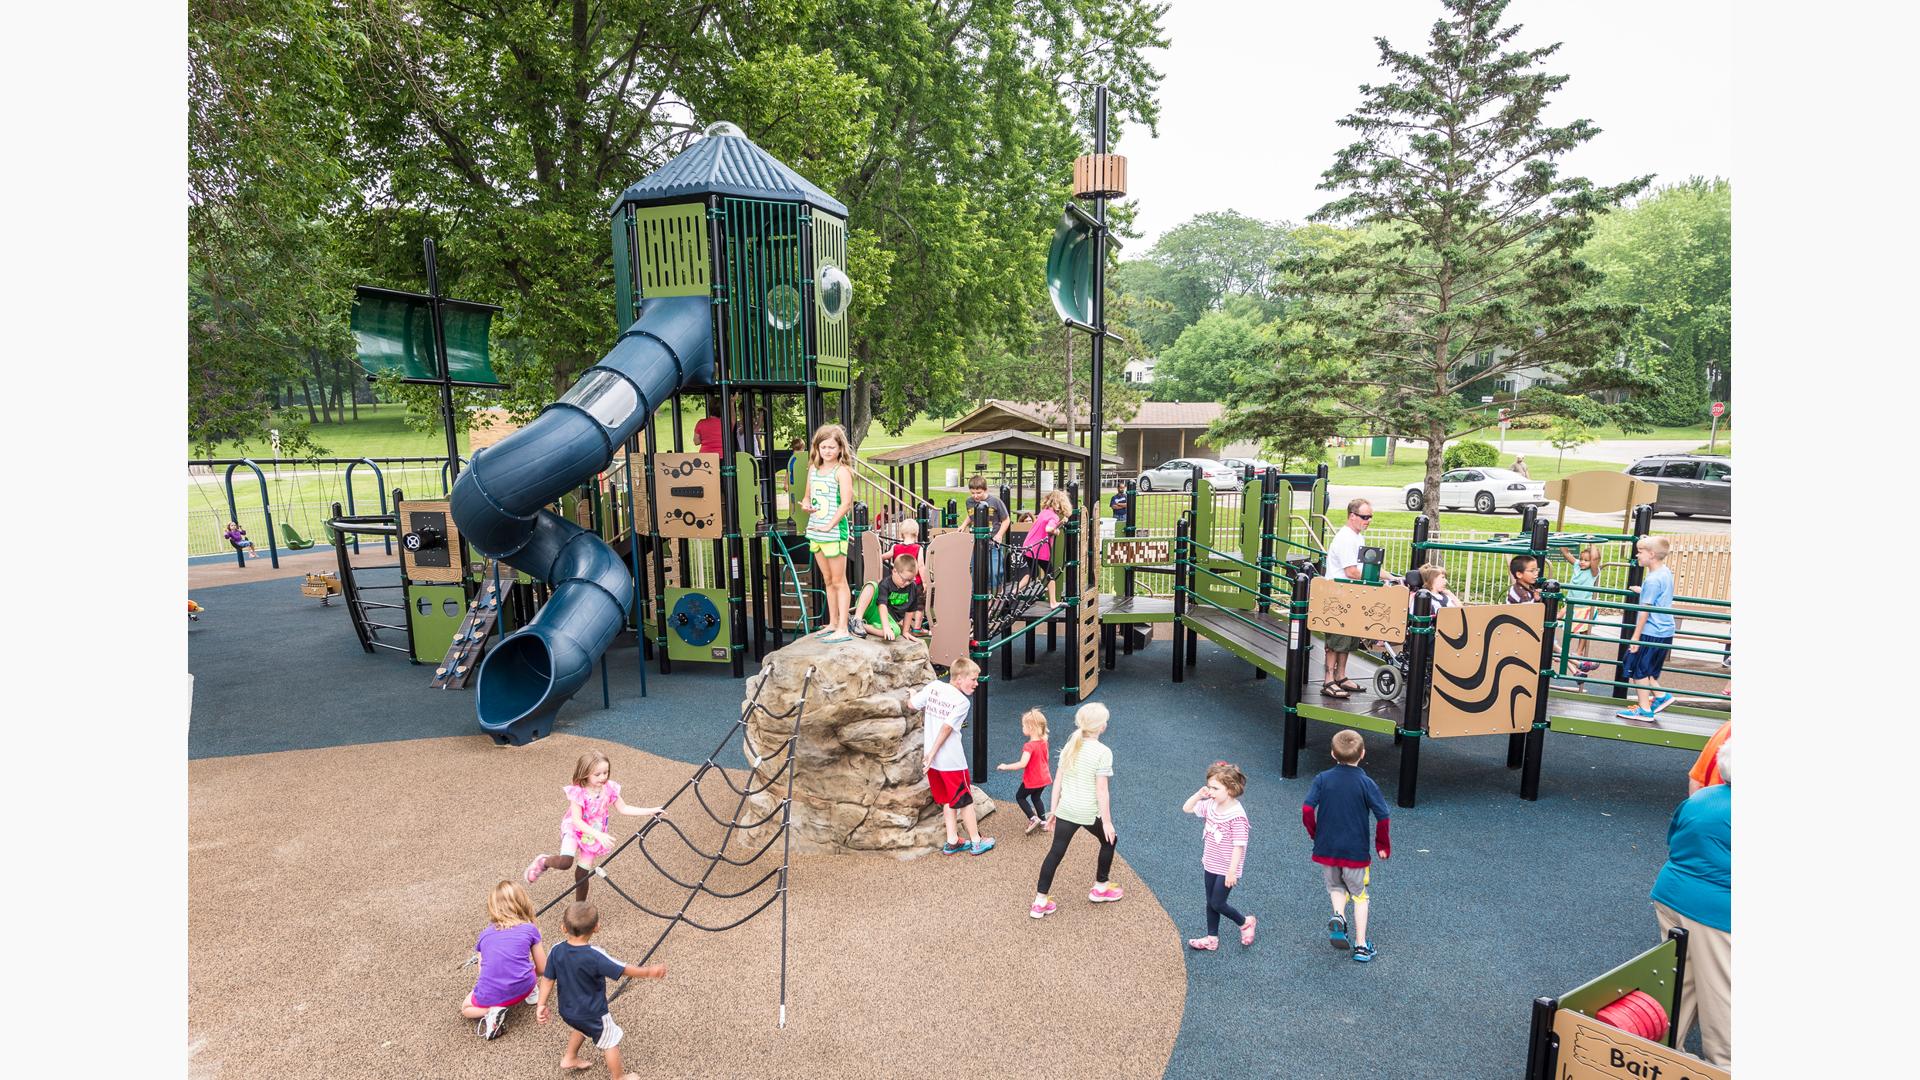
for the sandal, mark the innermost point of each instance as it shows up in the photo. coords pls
(1246, 931)
(1350, 686)
(1333, 690)
(1205, 944)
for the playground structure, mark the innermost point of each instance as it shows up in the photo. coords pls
(1617, 1027)
(1487, 669)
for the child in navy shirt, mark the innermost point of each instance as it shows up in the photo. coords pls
(1335, 814)
(578, 971)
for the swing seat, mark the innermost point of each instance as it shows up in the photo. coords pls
(293, 539)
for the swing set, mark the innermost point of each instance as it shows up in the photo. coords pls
(332, 482)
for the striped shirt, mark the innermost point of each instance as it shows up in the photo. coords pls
(1224, 831)
(823, 498)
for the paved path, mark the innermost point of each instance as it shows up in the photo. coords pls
(1385, 498)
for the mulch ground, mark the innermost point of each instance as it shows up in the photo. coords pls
(336, 893)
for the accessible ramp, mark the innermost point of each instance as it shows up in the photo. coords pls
(499, 505)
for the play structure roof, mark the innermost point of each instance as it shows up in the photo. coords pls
(725, 164)
(1010, 443)
(995, 414)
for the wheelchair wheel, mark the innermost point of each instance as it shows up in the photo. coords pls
(1386, 683)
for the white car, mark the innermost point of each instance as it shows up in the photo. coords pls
(1177, 475)
(1485, 490)
(1240, 465)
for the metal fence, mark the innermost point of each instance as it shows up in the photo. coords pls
(300, 494)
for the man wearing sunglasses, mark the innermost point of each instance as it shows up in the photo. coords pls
(1343, 561)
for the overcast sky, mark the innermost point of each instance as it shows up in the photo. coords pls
(1254, 88)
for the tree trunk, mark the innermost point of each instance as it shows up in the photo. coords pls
(862, 419)
(306, 391)
(1430, 487)
(1393, 444)
(320, 384)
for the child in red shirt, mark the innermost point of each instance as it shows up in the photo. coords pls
(908, 529)
(1032, 766)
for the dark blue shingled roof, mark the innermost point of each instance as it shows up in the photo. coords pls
(729, 165)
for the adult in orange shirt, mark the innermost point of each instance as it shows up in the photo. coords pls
(1706, 768)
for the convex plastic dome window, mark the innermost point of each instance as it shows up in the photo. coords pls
(721, 127)
(783, 307)
(836, 292)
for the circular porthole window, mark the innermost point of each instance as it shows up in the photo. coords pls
(836, 292)
(451, 608)
(424, 605)
(783, 307)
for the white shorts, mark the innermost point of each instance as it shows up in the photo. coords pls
(610, 1033)
(567, 844)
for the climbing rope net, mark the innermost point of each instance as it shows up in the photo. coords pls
(775, 770)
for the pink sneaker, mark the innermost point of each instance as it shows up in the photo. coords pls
(1041, 911)
(535, 868)
(1246, 931)
(1105, 896)
(1206, 944)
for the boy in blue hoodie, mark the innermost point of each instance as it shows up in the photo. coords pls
(1335, 813)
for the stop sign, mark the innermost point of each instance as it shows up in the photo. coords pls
(1719, 408)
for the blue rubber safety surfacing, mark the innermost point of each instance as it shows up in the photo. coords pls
(1487, 902)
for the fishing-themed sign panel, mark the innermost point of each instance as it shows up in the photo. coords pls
(1373, 612)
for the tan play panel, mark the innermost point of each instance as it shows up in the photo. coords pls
(1486, 669)
(1373, 612)
(686, 488)
(1591, 1050)
(337, 891)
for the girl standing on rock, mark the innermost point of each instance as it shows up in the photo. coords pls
(1081, 801)
(829, 498)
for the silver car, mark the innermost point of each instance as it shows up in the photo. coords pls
(1689, 483)
(1242, 464)
(1486, 490)
(1177, 475)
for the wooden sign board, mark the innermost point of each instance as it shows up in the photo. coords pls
(1373, 612)
(686, 487)
(1152, 552)
(1486, 669)
(1600, 492)
(1089, 643)
(1591, 1050)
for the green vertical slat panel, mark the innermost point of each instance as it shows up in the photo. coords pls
(672, 246)
(623, 297)
(762, 255)
(830, 338)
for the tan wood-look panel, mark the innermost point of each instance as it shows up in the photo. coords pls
(1591, 1050)
(1486, 669)
(687, 489)
(950, 556)
(1374, 612)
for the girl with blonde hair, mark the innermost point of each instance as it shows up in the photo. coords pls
(829, 499)
(511, 959)
(1081, 800)
(584, 839)
(1055, 509)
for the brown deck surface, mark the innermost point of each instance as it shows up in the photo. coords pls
(336, 893)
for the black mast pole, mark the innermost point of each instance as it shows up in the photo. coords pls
(440, 356)
(1098, 352)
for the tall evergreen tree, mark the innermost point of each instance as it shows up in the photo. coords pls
(1462, 265)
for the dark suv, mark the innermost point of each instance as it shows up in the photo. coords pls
(1689, 483)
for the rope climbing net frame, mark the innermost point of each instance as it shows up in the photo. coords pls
(768, 772)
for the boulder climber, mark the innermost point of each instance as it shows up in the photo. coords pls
(859, 779)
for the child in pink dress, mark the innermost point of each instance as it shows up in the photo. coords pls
(584, 839)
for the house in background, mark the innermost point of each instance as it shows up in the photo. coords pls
(1158, 431)
(1139, 371)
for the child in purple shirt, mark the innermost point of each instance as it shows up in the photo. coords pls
(511, 959)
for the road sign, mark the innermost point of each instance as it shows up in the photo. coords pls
(1486, 399)
(1719, 409)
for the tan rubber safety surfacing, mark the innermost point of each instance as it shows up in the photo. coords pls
(335, 892)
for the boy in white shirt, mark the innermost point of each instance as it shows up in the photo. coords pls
(946, 706)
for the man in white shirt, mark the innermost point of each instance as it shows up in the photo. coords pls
(1343, 561)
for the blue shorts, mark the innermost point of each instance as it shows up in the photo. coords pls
(1649, 661)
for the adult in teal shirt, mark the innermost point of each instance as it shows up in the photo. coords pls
(1695, 890)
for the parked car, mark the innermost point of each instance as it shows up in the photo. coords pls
(1177, 475)
(1242, 464)
(1485, 490)
(1689, 483)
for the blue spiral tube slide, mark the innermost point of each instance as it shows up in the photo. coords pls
(498, 504)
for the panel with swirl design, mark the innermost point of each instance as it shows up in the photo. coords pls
(1486, 669)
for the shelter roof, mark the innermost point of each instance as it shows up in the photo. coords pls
(995, 414)
(725, 163)
(1011, 443)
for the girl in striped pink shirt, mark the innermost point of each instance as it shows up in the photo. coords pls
(1224, 854)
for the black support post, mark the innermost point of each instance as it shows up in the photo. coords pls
(1642, 525)
(1179, 597)
(1299, 658)
(1419, 678)
(1534, 742)
(982, 578)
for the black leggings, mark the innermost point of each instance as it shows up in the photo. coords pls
(1029, 800)
(1063, 831)
(1217, 904)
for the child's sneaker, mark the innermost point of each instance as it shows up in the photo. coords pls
(1662, 701)
(1637, 714)
(859, 629)
(1041, 911)
(1204, 944)
(1105, 896)
(1363, 952)
(535, 868)
(495, 1022)
(954, 848)
(1586, 667)
(1246, 931)
(1032, 824)
(1337, 932)
(980, 846)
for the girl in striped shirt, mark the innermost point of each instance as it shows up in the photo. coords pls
(1224, 854)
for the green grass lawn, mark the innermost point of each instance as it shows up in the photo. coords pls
(381, 431)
